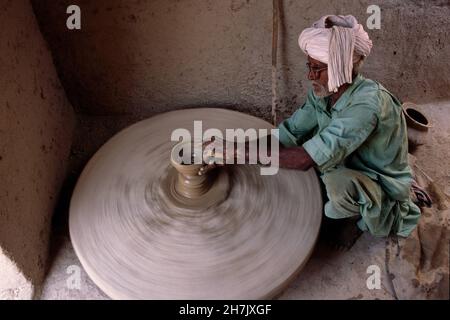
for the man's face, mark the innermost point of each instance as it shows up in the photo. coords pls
(319, 77)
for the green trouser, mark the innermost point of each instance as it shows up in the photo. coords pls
(352, 193)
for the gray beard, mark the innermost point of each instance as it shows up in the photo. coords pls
(322, 92)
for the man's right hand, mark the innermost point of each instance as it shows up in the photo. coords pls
(209, 152)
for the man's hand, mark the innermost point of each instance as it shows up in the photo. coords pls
(207, 147)
(295, 158)
(290, 158)
(236, 155)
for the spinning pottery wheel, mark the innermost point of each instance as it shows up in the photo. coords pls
(137, 240)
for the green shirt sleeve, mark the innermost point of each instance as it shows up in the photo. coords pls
(294, 129)
(345, 133)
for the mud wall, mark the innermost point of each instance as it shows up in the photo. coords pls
(143, 57)
(36, 123)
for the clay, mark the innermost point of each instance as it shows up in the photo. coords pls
(184, 188)
(136, 241)
(189, 183)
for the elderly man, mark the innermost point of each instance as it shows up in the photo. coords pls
(353, 131)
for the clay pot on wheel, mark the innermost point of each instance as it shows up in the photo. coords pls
(189, 184)
(418, 125)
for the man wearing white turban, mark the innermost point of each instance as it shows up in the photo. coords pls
(353, 130)
(339, 42)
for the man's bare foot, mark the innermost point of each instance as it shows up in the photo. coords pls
(340, 234)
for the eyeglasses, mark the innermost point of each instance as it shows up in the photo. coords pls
(316, 71)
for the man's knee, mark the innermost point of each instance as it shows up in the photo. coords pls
(339, 183)
(341, 190)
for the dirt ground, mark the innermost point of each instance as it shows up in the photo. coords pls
(412, 268)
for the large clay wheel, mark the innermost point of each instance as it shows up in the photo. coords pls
(134, 245)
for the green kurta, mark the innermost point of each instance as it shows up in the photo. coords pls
(365, 133)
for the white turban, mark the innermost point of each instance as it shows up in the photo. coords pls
(338, 41)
